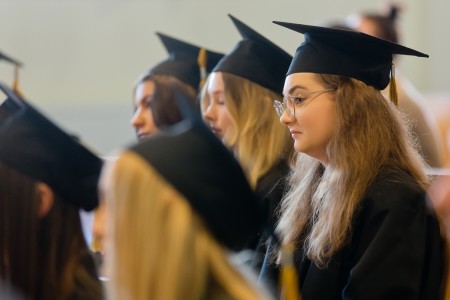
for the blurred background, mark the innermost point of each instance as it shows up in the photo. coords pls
(82, 57)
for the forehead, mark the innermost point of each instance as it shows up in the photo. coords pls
(301, 81)
(215, 82)
(146, 87)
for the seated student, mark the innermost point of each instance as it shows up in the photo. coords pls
(184, 70)
(45, 178)
(237, 104)
(177, 203)
(356, 211)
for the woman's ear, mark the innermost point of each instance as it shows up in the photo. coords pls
(45, 198)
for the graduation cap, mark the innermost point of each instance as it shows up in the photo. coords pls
(36, 147)
(256, 58)
(196, 163)
(17, 65)
(10, 60)
(347, 53)
(186, 62)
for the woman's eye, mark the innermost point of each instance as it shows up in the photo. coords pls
(146, 102)
(297, 99)
(220, 101)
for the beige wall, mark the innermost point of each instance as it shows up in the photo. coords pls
(82, 56)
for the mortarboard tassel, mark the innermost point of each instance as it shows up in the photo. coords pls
(96, 245)
(15, 85)
(288, 275)
(393, 87)
(201, 60)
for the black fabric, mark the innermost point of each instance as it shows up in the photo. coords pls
(257, 59)
(270, 189)
(9, 59)
(395, 252)
(35, 146)
(271, 186)
(347, 53)
(182, 61)
(190, 157)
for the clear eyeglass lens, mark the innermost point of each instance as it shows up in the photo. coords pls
(289, 105)
(278, 107)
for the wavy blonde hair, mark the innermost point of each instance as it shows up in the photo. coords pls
(371, 136)
(259, 140)
(157, 246)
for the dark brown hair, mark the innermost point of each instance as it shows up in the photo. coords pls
(164, 108)
(43, 258)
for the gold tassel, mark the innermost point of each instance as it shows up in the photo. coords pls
(201, 60)
(15, 85)
(290, 289)
(393, 87)
(96, 245)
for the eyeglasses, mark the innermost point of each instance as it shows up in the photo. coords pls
(289, 102)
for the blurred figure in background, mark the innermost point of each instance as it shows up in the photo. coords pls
(426, 125)
(177, 203)
(46, 176)
(184, 71)
(410, 101)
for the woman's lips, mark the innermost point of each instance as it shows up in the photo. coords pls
(294, 133)
(143, 136)
(216, 131)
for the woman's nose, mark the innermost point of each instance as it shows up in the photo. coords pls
(209, 114)
(286, 118)
(136, 119)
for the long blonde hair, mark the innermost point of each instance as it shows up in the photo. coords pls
(259, 141)
(371, 136)
(157, 246)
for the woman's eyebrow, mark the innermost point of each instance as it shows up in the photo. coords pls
(145, 99)
(292, 89)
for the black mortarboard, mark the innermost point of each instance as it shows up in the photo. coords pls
(257, 59)
(36, 147)
(17, 65)
(196, 163)
(347, 53)
(9, 59)
(186, 62)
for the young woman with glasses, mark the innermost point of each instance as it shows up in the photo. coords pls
(356, 212)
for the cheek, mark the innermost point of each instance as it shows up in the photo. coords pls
(328, 122)
(147, 114)
(149, 121)
(227, 126)
(307, 118)
(224, 118)
(320, 120)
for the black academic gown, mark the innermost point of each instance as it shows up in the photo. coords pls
(270, 189)
(395, 250)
